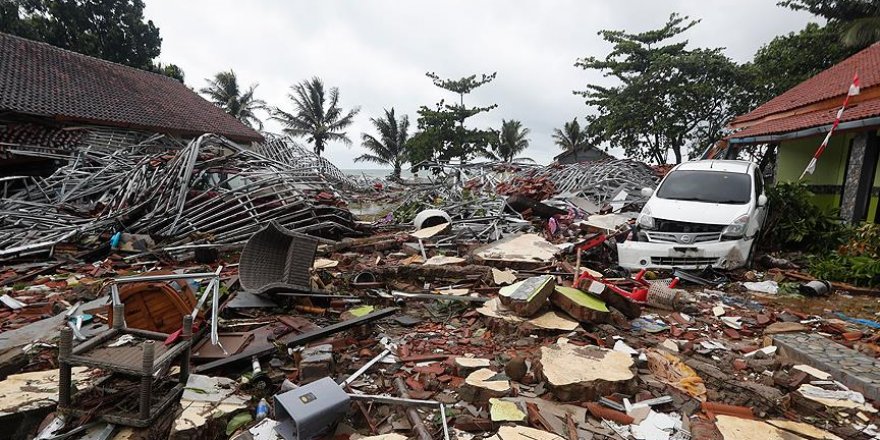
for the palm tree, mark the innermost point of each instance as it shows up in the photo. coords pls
(390, 148)
(223, 91)
(512, 140)
(862, 32)
(570, 137)
(317, 114)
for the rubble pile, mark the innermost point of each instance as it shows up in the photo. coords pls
(492, 310)
(206, 191)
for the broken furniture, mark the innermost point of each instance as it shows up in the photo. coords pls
(142, 359)
(276, 259)
(156, 306)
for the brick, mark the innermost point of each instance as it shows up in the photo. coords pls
(316, 363)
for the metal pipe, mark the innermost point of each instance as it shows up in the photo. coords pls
(414, 419)
(364, 369)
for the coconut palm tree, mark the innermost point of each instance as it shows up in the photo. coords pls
(512, 140)
(316, 115)
(862, 32)
(224, 92)
(570, 137)
(390, 147)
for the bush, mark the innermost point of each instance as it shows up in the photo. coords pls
(795, 223)
(856, 262)
(860, 270)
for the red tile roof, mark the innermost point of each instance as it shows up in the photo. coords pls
(819, 118)
(831, 84)
(40, 79)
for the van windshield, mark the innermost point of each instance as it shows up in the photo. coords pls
(707, 186)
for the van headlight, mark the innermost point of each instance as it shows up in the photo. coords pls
(737, 228)
(645, 220)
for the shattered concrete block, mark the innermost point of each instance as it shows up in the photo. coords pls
(316, 363)
(467, 365)
(36, 390)
(505, 411)
(527, 297)
(206, 399)
(523, 433)
(578, 304)
(584, 373)
(734, 428)
(484, 384)
(526, 249)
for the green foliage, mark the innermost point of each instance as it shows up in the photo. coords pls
(114, 30)
(668, 98)
(239, 420)
(317, 115)
(859, 270)
(391, 146)
(510, 142)
(224, 92)
(795, 223)
(169, 70)
(864, 241)
(790, 59)
(442, 135)
(857, 22)
(856, 262)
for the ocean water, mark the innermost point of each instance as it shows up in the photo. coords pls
(376, 172)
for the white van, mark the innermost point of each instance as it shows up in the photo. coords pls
(705, 212)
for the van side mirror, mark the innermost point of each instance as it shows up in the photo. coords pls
(647, 192)
(762, 200)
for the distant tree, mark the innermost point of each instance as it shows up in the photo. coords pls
(316, 115)
(224, 92)
(114, 30)
(442, 134)
(169, 70)
(511, 140)
(391, 146)
(668, 97)
(570, 137)
(858, 21)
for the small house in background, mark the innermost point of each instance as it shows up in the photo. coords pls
(52, 99)
(794, 124)
(583, 154)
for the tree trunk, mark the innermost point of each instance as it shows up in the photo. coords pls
(677, 151)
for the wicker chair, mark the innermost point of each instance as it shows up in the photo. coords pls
(276, 259)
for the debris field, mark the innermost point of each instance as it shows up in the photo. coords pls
(156, 288)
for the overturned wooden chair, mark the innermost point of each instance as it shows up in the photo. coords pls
(277, 260)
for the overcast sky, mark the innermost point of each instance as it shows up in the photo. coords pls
(377, 52)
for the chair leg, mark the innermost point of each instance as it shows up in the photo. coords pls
(187, 339)
(146, 390)
(65, 377)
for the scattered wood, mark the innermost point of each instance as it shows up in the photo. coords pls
(527, 297)
(579, 305)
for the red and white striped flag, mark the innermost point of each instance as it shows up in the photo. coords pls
(853, 91)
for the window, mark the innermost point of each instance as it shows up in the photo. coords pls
(707, 186)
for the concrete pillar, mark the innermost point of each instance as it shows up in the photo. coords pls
(859, 177)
